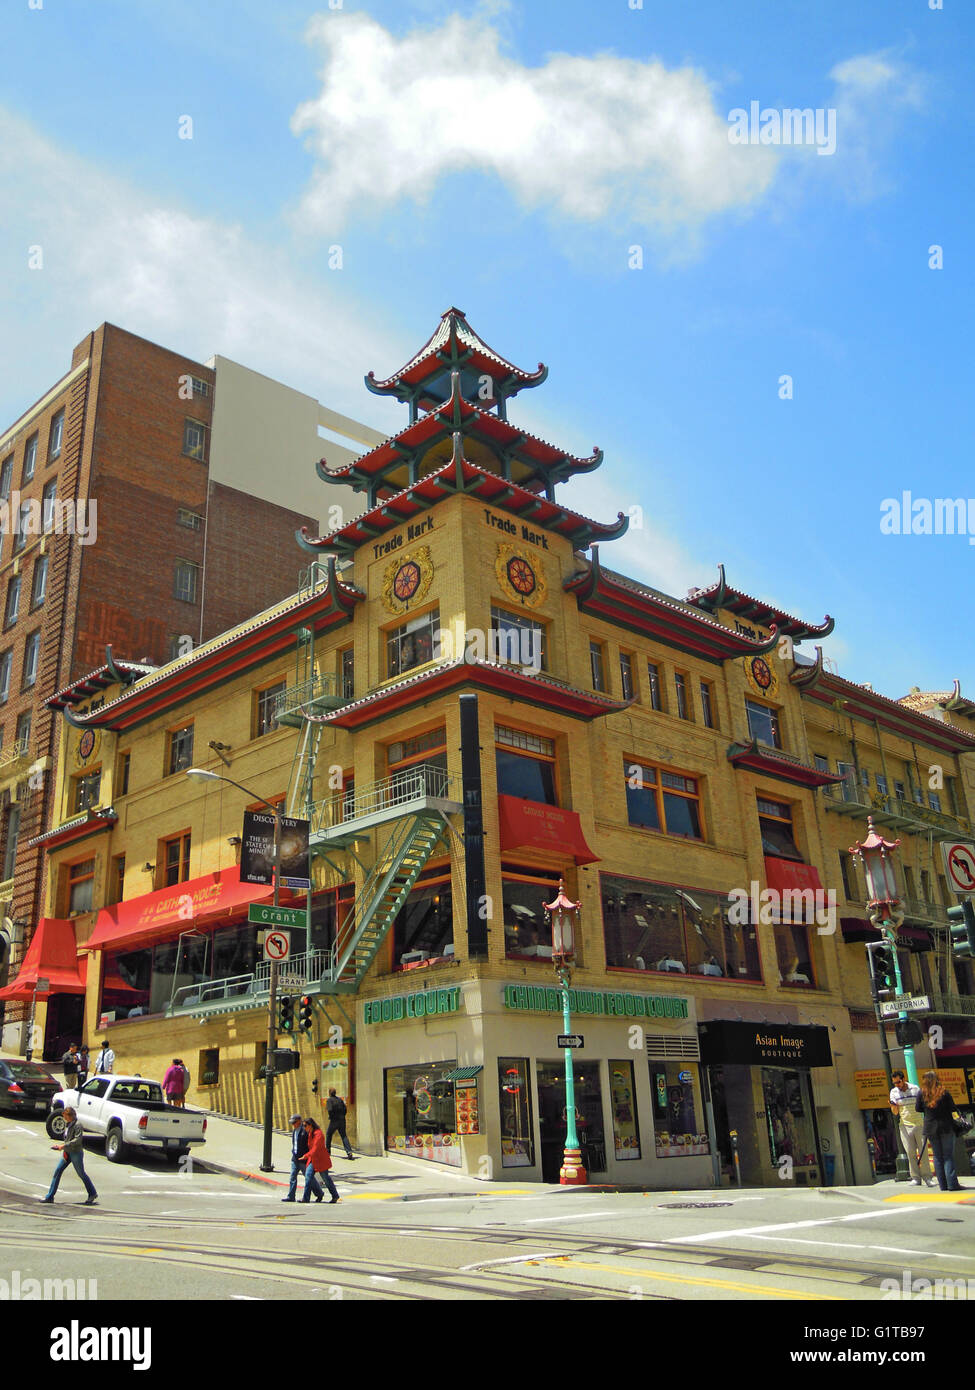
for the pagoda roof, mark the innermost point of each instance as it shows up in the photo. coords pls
(651, 614)
(772, 762)
(208, 666)
(541, 691)
(951, 700)
(402, 452)
(112, 673)
(860, 701)
(452, 344)
(459, 476)
(756, 610)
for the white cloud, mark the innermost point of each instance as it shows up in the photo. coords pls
(191, 283)
(873, 93)
(588, 138)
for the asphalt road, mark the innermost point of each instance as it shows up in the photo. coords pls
(159, 1233)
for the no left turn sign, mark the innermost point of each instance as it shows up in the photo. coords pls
(277, 945)
(960, 866)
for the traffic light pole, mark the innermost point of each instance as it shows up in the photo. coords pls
(267, 1162)
(902, 1173)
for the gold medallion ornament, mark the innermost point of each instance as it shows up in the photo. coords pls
(520, 575)
(88, 747)
(407, 580)
(761, 676)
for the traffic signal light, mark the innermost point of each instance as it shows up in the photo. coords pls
(882, 968)
(962, 919)
(305, 1014)
(286, 1014)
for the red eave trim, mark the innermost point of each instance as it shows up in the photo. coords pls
(906, 725)
(799, 774)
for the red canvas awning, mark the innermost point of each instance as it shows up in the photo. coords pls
(534, 825)
(165, 913)
(782, 874)
(53, 956)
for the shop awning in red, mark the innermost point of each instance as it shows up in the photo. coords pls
(53, 956)
(855, 930)
(534, 825)
(956, 1052)
(165, 913)
(783, 874)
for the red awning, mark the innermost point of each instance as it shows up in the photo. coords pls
(53, 956)
(165, 913)
(533, 825)
(956, 1051)
(782, 874)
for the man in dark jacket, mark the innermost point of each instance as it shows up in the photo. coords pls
(69, 1065)
(299, 1148)
(335, 1106)
(72, 1154)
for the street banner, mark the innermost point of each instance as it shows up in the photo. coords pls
(257, 848)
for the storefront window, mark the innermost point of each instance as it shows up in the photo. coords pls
(125, 987)
(589, 1116)
(175, 964)
(626, 1130)
(652, 926)
(517, 1141)
(678, 1114)
(788, 1117)
(794, 955)
(235, 951)
(525, 930)
(421, 1114)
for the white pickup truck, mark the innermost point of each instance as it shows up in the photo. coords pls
(129, 1111)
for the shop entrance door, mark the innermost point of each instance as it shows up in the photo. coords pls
(65, 1019)
(589, 1116)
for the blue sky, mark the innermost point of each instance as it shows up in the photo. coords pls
(507, 157)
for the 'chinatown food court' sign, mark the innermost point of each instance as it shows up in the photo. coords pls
(423, 1004)
(598, 1002)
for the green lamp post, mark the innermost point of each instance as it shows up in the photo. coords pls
(561, 913)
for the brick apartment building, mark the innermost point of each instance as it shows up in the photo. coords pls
(138, 514)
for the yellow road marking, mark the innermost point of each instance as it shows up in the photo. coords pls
(932, 1197)
(562, 1263)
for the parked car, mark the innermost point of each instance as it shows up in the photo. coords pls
(25, 1087)
(129, 1111)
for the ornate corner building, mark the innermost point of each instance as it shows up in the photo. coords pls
(469, 706)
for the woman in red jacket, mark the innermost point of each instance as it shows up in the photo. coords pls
(318, 1160)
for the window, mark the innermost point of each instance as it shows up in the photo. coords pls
(656, 690)
(677, 1109)
(48, 496)
(775, 825)
(707, 706)
(680, 687)
(32, 649)
(899, 791)
(347, 669)
(266, 719)
(413, 644)
(85, 789)
(763, 724)
(209, 1066)
(523, 896)
(626, 1128)
(30, 460)
(865, 777)
(10, 841)
(199, 386)
(820, 763)
(626, 676)
(176, 859)
(934, 801)
(13, 601)
(185, 581)
(517, 1134)
(194, 439)
(421, 1112)
(882, 784)
(846, 873)
(6, 661)
(81, 884)
(191, 520)
(424, 926)
(118, 878)
(122, 773)
(57, 432)
(6, 477)
(180, 749)
(849, 786)
(415, 765)
(664, 801)
(596, 666)
(22, 733)
(793, 955)
(517, 640)
(658, 926)
(24, 524)
(38, 588)
(525, 765)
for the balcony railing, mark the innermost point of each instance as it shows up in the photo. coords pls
(411, 790)
(316, 694)
(17, 750)
(213, 992)
(298, 972)
(961, 1005)
(849, 798)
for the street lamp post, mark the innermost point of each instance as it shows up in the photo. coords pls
(886, 913)
(202, 775)
(561, 911)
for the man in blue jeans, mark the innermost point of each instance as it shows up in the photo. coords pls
(72, 1154)
(299, 1148)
